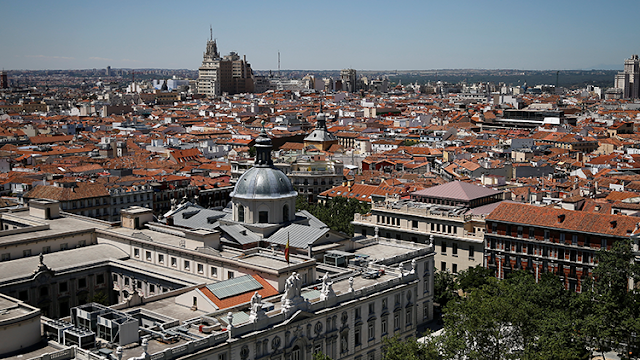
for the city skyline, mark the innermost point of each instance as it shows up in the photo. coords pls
(332, 35)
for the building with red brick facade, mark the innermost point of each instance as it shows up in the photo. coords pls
(546, 239)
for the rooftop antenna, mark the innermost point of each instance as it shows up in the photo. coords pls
(211, 31)
(557, 76)
(278, 63)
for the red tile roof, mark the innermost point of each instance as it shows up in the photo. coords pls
(605, 224)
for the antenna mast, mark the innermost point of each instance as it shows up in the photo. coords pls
(279, 63)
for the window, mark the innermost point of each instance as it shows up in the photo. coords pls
(384, 303)
(414, 224)
(532, 233)
(82, 243)
(372, 309)
(63, 287)
(64, 246)
(44, 291)
(409, 316)
(161, 258)
(372, 330)
(574, 240)
(152, 288)
(285, 213)
(603, 243)
(454, 268)
(230, 275)
(494, 228)
(443, 266)
(240, 213)
(263, 217)
(546, 235)
(82, 283)
(562, 238)
(454, 249)
(471, 251)
(100, 279)
(174, 262)
(383, 326)
(187, 265)
(148, 255)
(443, 247)
(396, 321)
(214, 271)
(358, 337)
(357, 313)
(519, 231)
(200, 269)
(26, 253)
(508, 231)
(46, 249)
(6, 257)
(136, 253)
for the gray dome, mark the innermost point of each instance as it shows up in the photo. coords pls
(265, 183)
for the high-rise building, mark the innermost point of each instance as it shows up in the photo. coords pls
(209, 71)
(348, 77)
(629, 79)
(108, 71)
(230, 74)
(4, 82)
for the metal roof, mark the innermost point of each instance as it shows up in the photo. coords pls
(457, 190)
(300, 236)
(263, 183)
(240, 234)
(197, 217)
(235, 286)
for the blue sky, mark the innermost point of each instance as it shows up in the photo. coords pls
(316, 35)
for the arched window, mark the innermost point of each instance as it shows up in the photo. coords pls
(285, 213)
(240, 213)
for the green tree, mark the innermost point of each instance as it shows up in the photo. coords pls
(336, 213)
(513, 318)
(410, 349)
(610, 308)
(320, 356)
(474, 277)
(444, 288)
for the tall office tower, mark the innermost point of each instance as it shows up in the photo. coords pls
(230, 74)
(348, 77)
(209, 72)
(4, 82)
(108, 71)
(629, 79)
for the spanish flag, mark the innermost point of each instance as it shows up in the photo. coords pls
(286, 250)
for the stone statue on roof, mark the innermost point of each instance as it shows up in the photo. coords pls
(256, 312)
(292, 299)
(327, 288)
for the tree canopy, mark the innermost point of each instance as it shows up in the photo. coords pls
(337, 213)
(521, 318)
